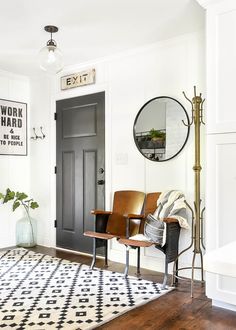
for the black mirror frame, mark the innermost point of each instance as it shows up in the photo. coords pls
(188, 128)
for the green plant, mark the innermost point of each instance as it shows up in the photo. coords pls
(18, 199)
(154, 133)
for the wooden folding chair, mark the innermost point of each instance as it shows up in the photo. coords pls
(127, 206)
(170, 249)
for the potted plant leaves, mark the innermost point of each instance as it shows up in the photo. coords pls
(158, 137)
(26, 229)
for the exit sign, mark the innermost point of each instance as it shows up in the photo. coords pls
(78, 79)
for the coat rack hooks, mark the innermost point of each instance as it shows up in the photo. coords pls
(36, 136)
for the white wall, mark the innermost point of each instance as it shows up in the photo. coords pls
(14, 170)
(129, 79)
(42, 158)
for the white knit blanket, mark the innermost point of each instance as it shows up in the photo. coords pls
(171, 204)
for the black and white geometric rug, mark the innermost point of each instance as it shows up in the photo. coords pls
(41, 292)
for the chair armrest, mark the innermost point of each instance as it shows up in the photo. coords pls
(95, 212)
(169, 220)
(135, 216)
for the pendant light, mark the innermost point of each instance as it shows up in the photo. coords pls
(50, 57)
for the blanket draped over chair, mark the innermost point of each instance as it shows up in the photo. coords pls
(170, 204)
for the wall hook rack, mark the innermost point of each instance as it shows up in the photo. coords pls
(36, 136)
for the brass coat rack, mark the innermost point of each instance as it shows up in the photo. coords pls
(197, 212)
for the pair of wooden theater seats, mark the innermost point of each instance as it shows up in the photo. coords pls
(127, 219)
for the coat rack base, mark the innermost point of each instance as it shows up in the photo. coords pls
(192, 280)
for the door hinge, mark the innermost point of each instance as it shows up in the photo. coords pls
(55, 116)
(55, 223)
(55, 169)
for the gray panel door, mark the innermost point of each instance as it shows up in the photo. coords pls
(80, 168)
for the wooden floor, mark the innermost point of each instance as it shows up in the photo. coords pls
(176, 310)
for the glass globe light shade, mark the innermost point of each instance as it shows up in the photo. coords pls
(50, 59)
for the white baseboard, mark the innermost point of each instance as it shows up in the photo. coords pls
(78, 252)
(72, 251)
(224, 305)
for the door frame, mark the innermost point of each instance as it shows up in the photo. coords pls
(76, 92)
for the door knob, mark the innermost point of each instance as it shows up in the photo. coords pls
(101, 170)
(101, 182)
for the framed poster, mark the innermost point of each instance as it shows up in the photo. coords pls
(13, 128)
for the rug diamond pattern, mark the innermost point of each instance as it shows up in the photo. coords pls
(41, 292)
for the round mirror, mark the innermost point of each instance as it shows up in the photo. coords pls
(159, 130)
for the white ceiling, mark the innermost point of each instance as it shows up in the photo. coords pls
(89, 29)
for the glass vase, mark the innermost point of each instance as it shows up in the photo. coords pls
(26, 232)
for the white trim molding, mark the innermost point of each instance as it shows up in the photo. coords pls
(206, 3)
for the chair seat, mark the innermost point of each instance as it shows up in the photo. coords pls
(99, 235)
(133, 242)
